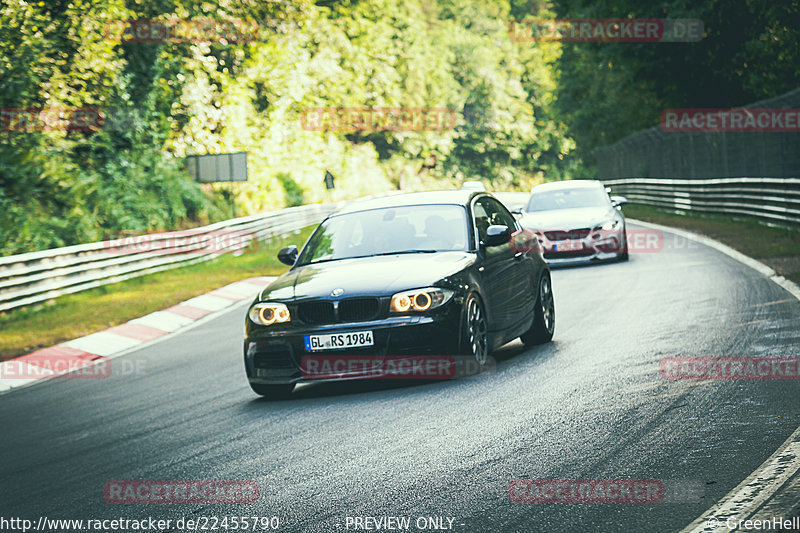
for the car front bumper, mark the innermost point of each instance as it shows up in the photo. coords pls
(280, 356)
(604, 247)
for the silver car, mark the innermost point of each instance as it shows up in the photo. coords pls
(576, 221)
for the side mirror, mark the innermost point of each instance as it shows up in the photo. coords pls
(496, 236)
(618, 201)
(288, 256)
(517, 211)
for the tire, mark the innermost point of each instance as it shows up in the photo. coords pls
(475, 336)
(544, 320)
(623, 255)
(273, 392)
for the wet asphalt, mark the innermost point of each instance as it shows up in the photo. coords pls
(590, 405)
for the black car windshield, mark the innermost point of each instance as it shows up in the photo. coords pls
(567, 199)
(407, 229)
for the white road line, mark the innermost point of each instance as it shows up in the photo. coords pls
(744, 500)
(727, 250)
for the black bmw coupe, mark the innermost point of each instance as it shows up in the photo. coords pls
(394, 280)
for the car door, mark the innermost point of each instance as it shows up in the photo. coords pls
(506, 275)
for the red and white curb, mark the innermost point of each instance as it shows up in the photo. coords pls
(97, 348)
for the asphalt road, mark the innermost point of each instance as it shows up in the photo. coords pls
(591, 405)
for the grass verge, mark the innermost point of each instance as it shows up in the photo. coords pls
(76, 315)
(777, 247)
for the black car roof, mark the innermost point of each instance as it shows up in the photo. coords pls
(415, 198)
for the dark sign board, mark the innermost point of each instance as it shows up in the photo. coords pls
(218, 167)
(329, 180)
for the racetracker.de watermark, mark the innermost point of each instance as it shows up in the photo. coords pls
(191, 242)
(586, 491)
(733, 120)
(730, 368)
(84, 119)
(180, 492)
(67, 366)
(35, 119)
(606, 30)
(637, 240)
(175, 30)
(331, 367)
(372, 119)
(61, 367)
(524, 241)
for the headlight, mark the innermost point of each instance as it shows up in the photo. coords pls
(611, 224)
(269, 313)
(420, 299)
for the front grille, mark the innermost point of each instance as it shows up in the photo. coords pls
(316, 312)
(569, 255)
(567, 235)
(358, 309)
(350, 310)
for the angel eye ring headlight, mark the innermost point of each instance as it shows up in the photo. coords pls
(269, 313)
(420, 299)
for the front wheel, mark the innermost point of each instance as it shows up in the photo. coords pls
(544, 321)
(475, 337)
(623, 255)
(273, 392)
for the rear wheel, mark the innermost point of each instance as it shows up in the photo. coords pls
(544, 321)
(273, 392)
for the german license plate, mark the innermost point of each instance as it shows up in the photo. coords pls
(337, 341)
(568, 246)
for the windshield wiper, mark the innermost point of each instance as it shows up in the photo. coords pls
(328, 259)
(408, 252)
(368, 255)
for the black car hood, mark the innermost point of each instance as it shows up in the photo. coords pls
(377, 276)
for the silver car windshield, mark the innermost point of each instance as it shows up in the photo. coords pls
(390, 230)
(567, 199)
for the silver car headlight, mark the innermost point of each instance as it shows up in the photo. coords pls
(609, 225)
(269, 313)
(420, 299)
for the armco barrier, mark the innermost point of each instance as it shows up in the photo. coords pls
(775, 200)
(38, 276)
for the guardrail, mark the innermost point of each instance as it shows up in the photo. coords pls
(35, 277)
(775, 200)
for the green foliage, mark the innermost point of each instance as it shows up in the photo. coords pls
(293, 192)
(609, 90)
(163, 101)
